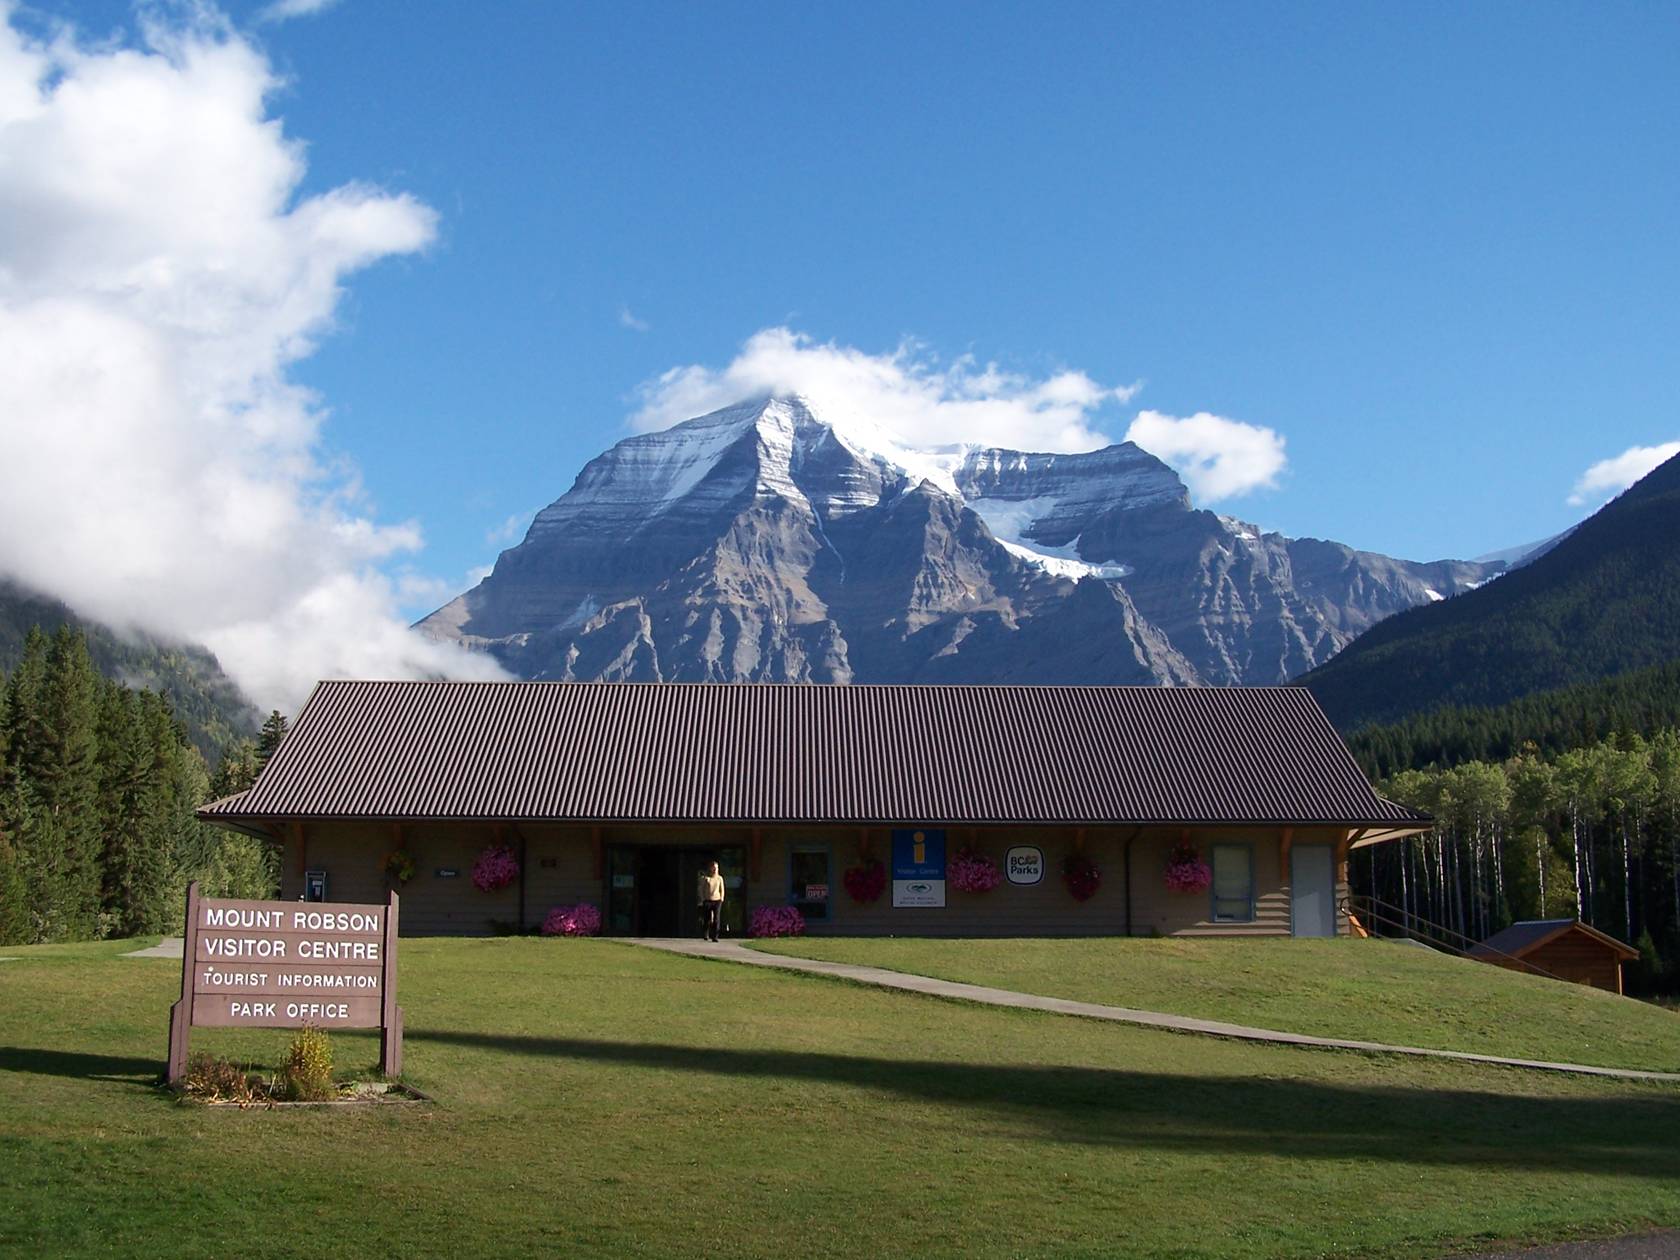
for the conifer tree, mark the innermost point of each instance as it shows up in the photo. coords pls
(268, 739)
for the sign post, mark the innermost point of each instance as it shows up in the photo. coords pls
(284, 964)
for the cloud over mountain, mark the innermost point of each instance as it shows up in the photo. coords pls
(159, 277)
(921, 405)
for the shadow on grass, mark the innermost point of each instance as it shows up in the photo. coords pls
(1631, 1135)
(86, 1067)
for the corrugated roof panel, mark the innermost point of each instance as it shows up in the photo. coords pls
(801, 752)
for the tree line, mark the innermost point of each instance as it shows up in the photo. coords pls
(99, 784)
(1591, 832)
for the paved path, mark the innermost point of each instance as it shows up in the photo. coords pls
(730, 951)
(1663, 1246)
(168, 947)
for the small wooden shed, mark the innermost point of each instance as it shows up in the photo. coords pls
(1565, 949)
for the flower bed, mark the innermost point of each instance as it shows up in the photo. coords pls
(1186, 872)
(973, 872)
(495, 869)
(1082, 876)
(776, 921)
(583, 919)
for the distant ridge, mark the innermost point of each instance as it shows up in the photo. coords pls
(773, 541)
(1604, 600)
(206, 701)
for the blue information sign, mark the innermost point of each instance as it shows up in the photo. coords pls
(918, 866)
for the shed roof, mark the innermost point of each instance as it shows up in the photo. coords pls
(1526, 937)
(624, 752)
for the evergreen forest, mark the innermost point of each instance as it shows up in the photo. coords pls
(99, 782)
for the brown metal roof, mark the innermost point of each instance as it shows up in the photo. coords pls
(626, 752)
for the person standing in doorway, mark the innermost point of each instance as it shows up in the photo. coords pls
(711, 901)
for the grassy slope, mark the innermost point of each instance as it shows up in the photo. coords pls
(1368, 990)
(596, 1099)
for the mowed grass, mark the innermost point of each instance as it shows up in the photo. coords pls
(1368, 990)
(598, 1099)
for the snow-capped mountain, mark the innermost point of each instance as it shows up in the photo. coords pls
(768, 542)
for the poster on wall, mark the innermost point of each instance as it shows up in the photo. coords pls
(918, 868)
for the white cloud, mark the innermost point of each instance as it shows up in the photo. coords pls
(1217, 457)
(159, 276)
(1610, 477)
(905, 393)
(628, 318)
(509, 531)
(282, 10)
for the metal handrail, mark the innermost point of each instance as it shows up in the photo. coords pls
(1366, 909)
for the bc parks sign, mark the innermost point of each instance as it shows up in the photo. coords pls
(918, 867)
(284, 964)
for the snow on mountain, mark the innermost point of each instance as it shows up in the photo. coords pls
(776, 540)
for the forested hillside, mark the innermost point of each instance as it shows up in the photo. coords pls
(98, 788)
(1593, 832)
(205, 700)
(1605, 601)
(1642, 702)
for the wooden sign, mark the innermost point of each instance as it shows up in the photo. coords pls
(284, 964)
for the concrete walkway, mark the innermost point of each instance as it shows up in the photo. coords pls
(730, 951)
(168, 947)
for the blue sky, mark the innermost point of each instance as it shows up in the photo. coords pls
(1433, 247)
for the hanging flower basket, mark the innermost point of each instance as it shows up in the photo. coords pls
(1186, 872)
(973, 872)
(583, 919)
(776, 921)
(867, 882)
(399, 865)
(1082, 876)
(495, 869)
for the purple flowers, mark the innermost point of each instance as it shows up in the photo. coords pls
(973, 872)
(1082, 876)
(583, 919)
(1186, 872)
(776, 921)
(867, 882)
(495, 869)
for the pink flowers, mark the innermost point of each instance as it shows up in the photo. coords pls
(495, 869)
(583, 919)
(867, 882)
(973, 872)
(1082, 876)
(776, 921)
(1186, 872)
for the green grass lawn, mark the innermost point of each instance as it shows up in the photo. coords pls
(1367, 990)
(599, 1099)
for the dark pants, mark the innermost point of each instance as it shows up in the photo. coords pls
(711, 919)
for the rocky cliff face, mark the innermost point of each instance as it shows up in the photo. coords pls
(760, 543)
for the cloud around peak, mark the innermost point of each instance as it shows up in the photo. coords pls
(1609, 477)
(926, 405)
(159, 277)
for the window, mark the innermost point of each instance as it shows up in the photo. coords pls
(808, 882)
(1233, 883)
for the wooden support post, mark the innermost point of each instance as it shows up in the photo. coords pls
(301, 844)
(863, 845)
(390, 1015)
(599, 851)
(181, 1013)
(1286, 842)
(755, 863)
(1079, 840)
(523, 852)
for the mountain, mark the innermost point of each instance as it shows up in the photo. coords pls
(1604, 600)
(206, 701)
(768, 542)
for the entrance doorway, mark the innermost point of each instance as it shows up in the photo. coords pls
(651, 888)
(1312, 890)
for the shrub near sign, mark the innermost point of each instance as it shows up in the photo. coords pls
(284, 964)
